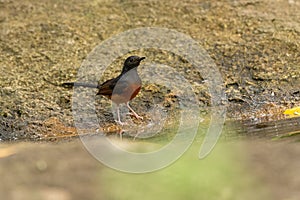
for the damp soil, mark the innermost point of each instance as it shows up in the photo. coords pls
(254, 44)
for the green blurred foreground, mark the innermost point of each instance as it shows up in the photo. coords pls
(220, 176)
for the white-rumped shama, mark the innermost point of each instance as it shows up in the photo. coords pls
(121, 89)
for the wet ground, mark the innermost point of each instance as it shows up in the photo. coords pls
(254, 44)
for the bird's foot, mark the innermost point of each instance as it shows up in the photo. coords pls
(136, 116)
(139, 117)
(120, 123)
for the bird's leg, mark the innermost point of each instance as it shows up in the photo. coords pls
(134, 113)
(119, 118)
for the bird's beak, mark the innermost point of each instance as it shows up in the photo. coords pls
(142, 58)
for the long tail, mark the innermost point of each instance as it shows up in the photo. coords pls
(75, 84)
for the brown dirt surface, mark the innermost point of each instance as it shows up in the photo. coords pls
(255, 45)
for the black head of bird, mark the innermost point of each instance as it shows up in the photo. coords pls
(131, 62)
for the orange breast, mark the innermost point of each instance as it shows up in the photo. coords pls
(136, 90)
(127, 94)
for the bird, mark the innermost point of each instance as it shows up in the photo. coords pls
(120, 89)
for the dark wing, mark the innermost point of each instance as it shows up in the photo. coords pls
(113, 86)
(107, 87)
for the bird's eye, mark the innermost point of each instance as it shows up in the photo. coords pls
(131, 60)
